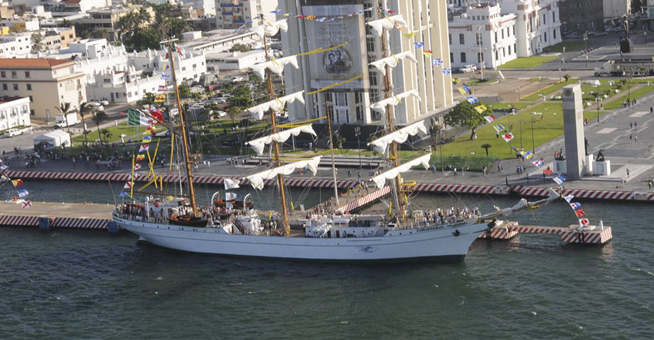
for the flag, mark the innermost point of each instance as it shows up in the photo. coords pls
(529, 155)
(137, 166)
(472, 100)
(480, 110)
(427, 53)
(157, 115)
(231, 184)
(140, 158)
(489, 119)
(447, 71)
(575, 205)
(144, 148)
(163, 88)
(461, 90)
(507, 136)
(275, 11)
(4, 178)
(583, 222)
(27, 204)
(160, 98)
(22, 193)
(123, 194)
(466, 88)
(557, 180)
(561, 178)
(127, 185)
(17, 182)
(580, 213)
(410, 35)
(147, 139)
(230, 196)
(136, 117)
(321, 19)
(538, 163)
(498, 128)
(437, 62)
(568, 198)
(179, 50)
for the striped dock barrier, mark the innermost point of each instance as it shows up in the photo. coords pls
(46, 223)
(588, 235)
(588, 194)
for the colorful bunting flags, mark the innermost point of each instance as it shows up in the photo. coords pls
(127, 185)
(575, 206)
(568, 198)
(140, 158)
(472, 100)
(17, 182)
(580, 213)
(447, 71)
(507, 137)
(147, 139)
(160, 98)
(583, 222)
(498, 128)
(27, 204)
(137, 166)
(489, 119)
(163, 88)
(22, 193)
(538, 163)
(136, 117)
(461, 90)
(144, 148)
(529, 155)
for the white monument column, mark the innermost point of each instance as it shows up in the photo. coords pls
(573, 128)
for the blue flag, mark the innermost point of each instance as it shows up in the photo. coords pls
(561, 178)
(419, 44)
(22, 193)
(123, 194)
(466, 88)
(472, 100)
(575, 205)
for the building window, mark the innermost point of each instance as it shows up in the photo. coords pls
(32, 113)
(480, 57)
(496, 36)
(3, 74)
(554, 32)
(497, 55)
(341, 99)
(545, 36)
(370, 44)
(502, 34)
(449, 38)
(14, 74)
(359, 111)
(509, 49)
(451, 57)
(554, 16)
(23, 109)
(479, 39)
(15, 87)
(31, 99)
(462, 39)
(463, 57)
(29, 87)
(4, 87)
(373, 78)
(27, 74)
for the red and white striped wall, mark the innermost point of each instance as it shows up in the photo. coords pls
(599, 237)
(80, 223)
(27, 221)
(568, 235)
(365, 199)
(588, 194)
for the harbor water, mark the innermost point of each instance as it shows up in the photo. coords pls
(83, 284)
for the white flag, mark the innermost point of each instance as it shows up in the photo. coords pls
(557, 180)
(231, 184)
(230, 196)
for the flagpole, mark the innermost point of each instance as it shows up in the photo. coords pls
(131, 187)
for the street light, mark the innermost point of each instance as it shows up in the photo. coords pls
(357, 132)
(481, 56)
(533, 144)
(586, 45)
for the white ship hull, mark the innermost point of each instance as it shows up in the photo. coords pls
(426, 244)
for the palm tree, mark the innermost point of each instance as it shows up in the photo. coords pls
(97, 117)
(65, 109)
(85, 109)
(106, 134)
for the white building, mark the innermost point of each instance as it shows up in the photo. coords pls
(234, 14)
(47, 82)
(537, 24)
(351, 102)
(17, 45)
(220, 40)
(14, 111)
(208, 7)
(482, 36)
(617, 8)
(229, 61)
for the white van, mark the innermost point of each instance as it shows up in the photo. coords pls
(13, 132)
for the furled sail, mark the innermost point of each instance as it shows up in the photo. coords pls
(380, 180)
(257, 180)
(392, 61)
(378, 26)
(260, 143)
(271, 29)
(399, 136)
(380, 106)
(276, 105)
(276, 66)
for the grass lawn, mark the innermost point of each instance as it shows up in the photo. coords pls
(617, 103)
(545, 129)
(527, 62)
(116, 131)
(507, 105)
(548, 90)
(571, 45)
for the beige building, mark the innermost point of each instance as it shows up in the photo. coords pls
(109, 18)
(47, 82)
(350, 103)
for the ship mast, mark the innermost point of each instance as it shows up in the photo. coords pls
(278, 161)
(329, 115)
(391, 124)
(189, 169)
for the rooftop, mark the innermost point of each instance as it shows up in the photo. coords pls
(7, 99)
(32, 62)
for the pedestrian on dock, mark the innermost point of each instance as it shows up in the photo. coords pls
(636, 139)
(627, 172)
(649, 184)
(631, 125)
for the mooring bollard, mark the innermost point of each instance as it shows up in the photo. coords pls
(112, 227)
(44, 223)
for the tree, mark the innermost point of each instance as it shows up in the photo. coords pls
(65, 108)
(465, 115)
(148, 99)
(37, 43)
(101, 33)
(240, 48)
(106, 134)
(234, 111)
(486, 146)
(84, 110)
(184, 91)
(97, 117)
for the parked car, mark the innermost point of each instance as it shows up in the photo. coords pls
(13, 132)
(97, 105)
(468, 68)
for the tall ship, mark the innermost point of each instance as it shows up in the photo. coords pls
(237, 230)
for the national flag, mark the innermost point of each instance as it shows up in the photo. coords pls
(160, 98)
(568, 198)
(140, 158)
(144, 148)
(498, 128)
(22, 193)
(17, 182)
(489, 119)
(461, 90)
(310, 17)
(137, 166)
(231, 184)
(147, 139)
(472, 100)
(447, 71)
(557, 180)
(538, 163)
(427, 53)
(230, 196)
(507, 137)
(127, 185)
(166, 76)
(580, 213)
(575, 205)
(163, 88)
(529, 155)
(27, 204)
(583, 222)
(136, 117)
(151, 129)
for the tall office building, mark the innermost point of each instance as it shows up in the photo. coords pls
(350, 103)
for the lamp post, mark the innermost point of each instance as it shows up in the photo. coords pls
(357, 132)
(481, 56)
(597, 101)
(586, 46)
(533, 143)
